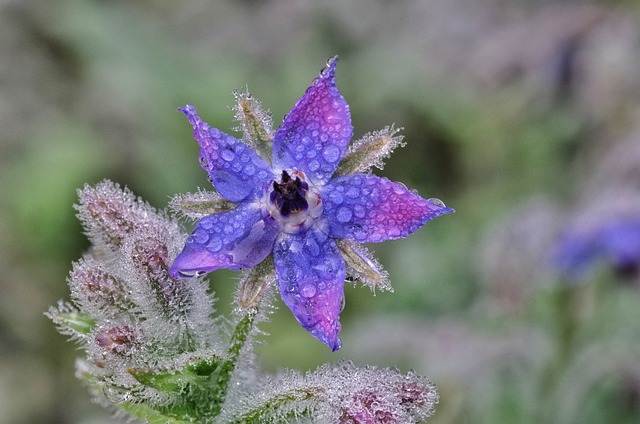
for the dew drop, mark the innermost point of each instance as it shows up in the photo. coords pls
(214, 245)
(191, 274)
(344, 214)
(338, 344)
(359, 211)
(308, 290)
(336, 198)
(437, 202)
(228, 155)
(399, 188)
(314, 165)
(199, 236)
(249, 169)
(353, 193)
(331, 153)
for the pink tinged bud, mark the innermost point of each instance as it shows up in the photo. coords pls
(117, 340)
(150, 255)
(95, 287)
(385, 396)
(110, 213)
(369, 408)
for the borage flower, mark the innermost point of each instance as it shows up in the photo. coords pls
(306, 207)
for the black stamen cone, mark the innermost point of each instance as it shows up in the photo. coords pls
(289, 195)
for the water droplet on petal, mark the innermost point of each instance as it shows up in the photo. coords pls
(331, 153)
(437, 202)
(338, 345)
(191, 274)
(214, 245)
(335, 197)
(308, 290)
(344, 214)
(228, 155)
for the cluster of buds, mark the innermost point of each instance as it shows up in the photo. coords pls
(155, 351)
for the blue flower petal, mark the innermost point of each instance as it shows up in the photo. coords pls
(234, 169)
(311, 275)
(367, 208)
(612, 240)
(237, 239)
(315, 134)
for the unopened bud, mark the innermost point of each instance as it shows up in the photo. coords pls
(150, 255)
(92, 286)
(110, 213)
(117, 339)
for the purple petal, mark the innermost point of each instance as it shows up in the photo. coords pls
(315, 134)
(311, 275)
(367, 208)
(235, 240)
(613, 240)
(621, 242)
(575, 253)
(234, 169)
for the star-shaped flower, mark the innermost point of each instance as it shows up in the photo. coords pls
(305, 205)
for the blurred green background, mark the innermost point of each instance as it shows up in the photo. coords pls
(509, 108)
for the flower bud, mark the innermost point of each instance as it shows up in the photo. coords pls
(95, 288)
(117, 340)
(110, 213)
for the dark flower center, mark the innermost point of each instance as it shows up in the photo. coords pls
(289, 195)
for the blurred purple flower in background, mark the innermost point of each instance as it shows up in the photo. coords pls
(613, 240)
(607, 230)
(313, 194)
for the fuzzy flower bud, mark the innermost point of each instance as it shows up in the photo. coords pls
(117, 340)
(109, 214)
(150, 255)
(95, 288)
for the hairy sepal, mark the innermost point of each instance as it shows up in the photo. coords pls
(255, 123)
(198, 205)
(370, 151)
(362, 267)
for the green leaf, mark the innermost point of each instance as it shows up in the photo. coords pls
(77, 322)
(149, 415)
(177, 380)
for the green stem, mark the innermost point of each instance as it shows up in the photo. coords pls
(566, 322)
(222, 378)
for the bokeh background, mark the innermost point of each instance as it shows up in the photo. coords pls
(522, 115)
